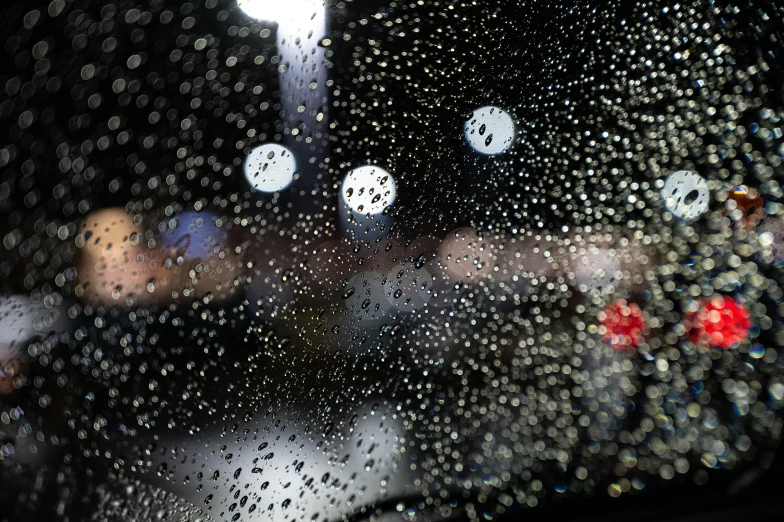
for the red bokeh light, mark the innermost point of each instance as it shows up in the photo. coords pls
(751, 204)
(12, 369)
(720, 322)
(623, 325)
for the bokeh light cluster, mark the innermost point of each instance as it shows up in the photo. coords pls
(271, 261)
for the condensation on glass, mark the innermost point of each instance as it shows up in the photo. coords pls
(386, 260)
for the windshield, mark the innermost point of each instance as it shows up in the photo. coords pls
(390, 260)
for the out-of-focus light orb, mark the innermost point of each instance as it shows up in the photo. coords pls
(776, 391)
(686, 194)
(744, 206)
(623, 325)
(114, 264)
(596, 270)
(12, 372)
(719, 322)
(270, 167)
(490, 130)
(277, 11)
(369, 189)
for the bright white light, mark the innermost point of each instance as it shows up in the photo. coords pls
(369, 189)
(686, 194)
(270, 167)
(280, 11)
(490, 130)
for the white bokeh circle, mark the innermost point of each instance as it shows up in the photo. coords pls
(369, 189)
(686, 194)
(270, 167)
(490, 130)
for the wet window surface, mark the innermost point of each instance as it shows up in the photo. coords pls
(419, 260)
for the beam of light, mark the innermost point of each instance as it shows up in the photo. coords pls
(302, 77)
(281, 12)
